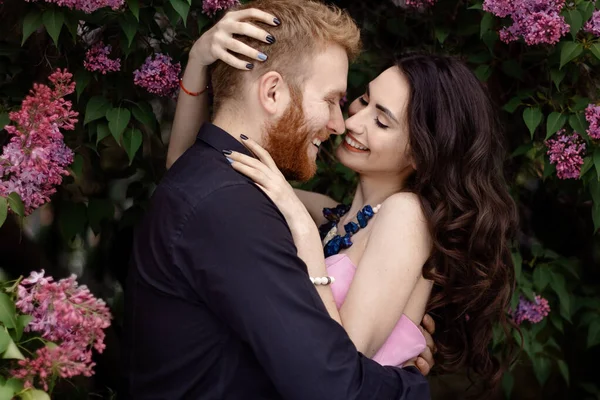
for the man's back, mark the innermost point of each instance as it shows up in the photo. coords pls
(219, 306)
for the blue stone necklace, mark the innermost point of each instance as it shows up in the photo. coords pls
(334, 243)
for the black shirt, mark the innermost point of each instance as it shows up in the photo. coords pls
(219, 306)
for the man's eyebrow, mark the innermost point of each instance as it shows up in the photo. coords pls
(386, 111)
(335, 92)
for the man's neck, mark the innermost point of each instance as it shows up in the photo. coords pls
(233, 124)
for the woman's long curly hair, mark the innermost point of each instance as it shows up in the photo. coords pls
(456, 144)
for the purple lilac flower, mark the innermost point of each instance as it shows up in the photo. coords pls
(566, 151)
(536, 21)
(533, 312)
(87, 6)
(211, 7)
(96, 59)
(592, 115)
(593, 25)
(158, 75)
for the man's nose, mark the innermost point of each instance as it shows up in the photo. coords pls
(336, 124)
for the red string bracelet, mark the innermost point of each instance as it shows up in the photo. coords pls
(191, 93)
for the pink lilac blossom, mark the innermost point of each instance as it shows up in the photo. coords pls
(96, 59)
(63, 311)
(593, 25)
(87, 6)
(533, 312)
(211, 7)
(592, 115)
(536, 21)
(566, 151)
(158, 75)
(64, 361)
(420, 3)
(33, 162)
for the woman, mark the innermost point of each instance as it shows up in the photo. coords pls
(431, 218)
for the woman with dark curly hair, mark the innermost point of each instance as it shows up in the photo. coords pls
(429, 226)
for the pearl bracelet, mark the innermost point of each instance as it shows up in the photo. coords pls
(324, 280)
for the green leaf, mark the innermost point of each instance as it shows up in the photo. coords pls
(96, 108)
(522, 149)
(541, 277)
(77, 166)
(575, 20)
(587, 9)
(22, 322)
(512, 104)
(8, 313)
(587, 165)
(517, 263)
(557, 77)
(72, 219)
(564, 370)
(12, 352)
(3, 210)
(557, 322)
(569, 51)
(9, 388)
(16, 204)
(508, 381)
(118, 119)
(182, 8)
(533, 117)
(486, 24)
(53, 21)
(595, 49)
(4, 339)
(597, 162)
(129, 24)
(35, 394)
(554, 123)
(4, 120)
(541, 368)
(593, 338)
(134, 6)
(441, 34)
(102, 132)
(558, 284)
(82, 79)
(98, 211)
(132, 140)
(203, 22)
(31, 23)
(483, 72)
(144, 114)
(578, 123)
(513, 69)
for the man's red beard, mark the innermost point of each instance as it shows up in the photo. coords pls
(288, 141)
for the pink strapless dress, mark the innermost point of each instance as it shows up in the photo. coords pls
(406, 340)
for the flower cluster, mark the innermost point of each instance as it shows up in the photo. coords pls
(96, 59)
(420, 3)
(533, 312)
(33, 162)
(536, 21)
(87, 6)
(566, 151)
(158, 75)
(211, 7)
(592, 115)
(65, 313)
(593, 25)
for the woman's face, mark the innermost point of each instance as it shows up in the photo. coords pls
(376, 139)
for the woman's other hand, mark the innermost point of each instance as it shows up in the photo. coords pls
(218, 43)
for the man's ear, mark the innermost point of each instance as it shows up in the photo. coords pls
(273, 92)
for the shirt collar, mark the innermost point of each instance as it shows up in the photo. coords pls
(220, 140)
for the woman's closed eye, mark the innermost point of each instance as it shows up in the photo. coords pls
(377, 121)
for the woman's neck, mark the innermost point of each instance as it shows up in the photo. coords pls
(373, 190)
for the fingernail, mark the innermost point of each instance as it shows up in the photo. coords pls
(227, 152)
(249, 65)
(276, 21)
(230, 160)
(270, 39)
(262, 56)
(244, 137)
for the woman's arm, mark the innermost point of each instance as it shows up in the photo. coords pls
(315, 203)
(215, 44)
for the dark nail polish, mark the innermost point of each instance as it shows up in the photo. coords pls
(249, 65)
(229, 160)
(227, 152)
(262, 56)
(270, 39)
(244, 137)
(276, 21)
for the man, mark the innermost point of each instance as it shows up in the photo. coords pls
(219, 306)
